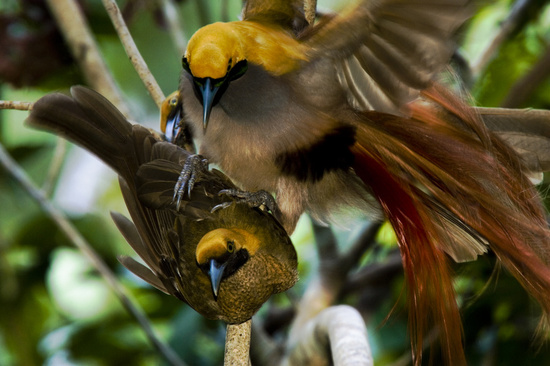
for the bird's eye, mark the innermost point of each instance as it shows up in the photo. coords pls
(230, 246)
(185, 64)
(173, 102)
(238, 70)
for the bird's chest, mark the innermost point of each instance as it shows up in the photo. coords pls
(259, 119)
(247, 128)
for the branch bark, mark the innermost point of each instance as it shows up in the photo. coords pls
(133, 53)
(341, 330)
(237, 344)
(324, 290)
(12, 104)
(310, 9)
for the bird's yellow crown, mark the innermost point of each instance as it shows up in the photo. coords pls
(218, 242)
(217, 47)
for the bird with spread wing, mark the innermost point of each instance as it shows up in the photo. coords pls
(225, 263)
(345, 113)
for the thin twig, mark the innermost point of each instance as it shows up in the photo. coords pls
(12, 104)
(237, 344)
(78, 240)
(55, 166)
(133, 53)
(84, 49)
(310, 9)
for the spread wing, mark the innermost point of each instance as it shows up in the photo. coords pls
(386, 51)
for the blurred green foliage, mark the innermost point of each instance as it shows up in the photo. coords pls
(56, 310)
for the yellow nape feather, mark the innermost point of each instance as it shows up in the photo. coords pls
(217, 47)
(217, 242)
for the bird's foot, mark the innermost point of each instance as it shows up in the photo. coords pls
(194, 167)
(260, 199)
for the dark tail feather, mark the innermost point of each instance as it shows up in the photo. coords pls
(445, 181)
(89, 120)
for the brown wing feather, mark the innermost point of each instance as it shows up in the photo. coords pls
(142, 272)
(526, 130)
(398, 45)
(287, 13)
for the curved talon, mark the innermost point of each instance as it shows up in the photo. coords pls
(194, 167)
(221, 206)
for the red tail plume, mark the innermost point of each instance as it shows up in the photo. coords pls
(426, 271)
(446, 183)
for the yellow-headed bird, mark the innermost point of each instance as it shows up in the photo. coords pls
(225, 264)
(344, 113)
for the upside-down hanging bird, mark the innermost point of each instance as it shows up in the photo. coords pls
(345, 112)
(225, 264)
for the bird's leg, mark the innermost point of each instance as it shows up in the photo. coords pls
(194, 167)
(260, 199)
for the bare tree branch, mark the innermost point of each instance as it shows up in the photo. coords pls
(310, 9)
(340, 329)
(55, 166)
(84, 49)
(78, 240)
(324, 290)
(237, 344)
(133, 53)
(11, 104)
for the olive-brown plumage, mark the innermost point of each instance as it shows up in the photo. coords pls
(225, 264)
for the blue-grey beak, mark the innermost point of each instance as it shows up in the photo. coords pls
(216, 275)
(208, 92)
(172, 127)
